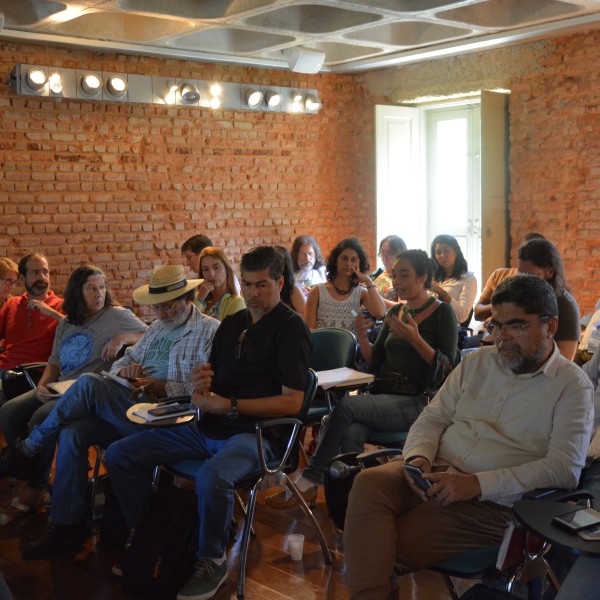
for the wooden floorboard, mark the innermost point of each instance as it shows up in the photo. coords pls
(271, 574)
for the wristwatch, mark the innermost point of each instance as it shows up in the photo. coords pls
(233, 411)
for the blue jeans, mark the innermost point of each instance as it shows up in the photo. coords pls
(91, 412)
(91, 395)
(590, 482)
(354, 419)
(17, 417)
(131, 462)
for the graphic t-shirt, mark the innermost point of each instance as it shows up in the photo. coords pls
(157, 358)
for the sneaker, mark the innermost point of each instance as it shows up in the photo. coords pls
(56, 538)
(284, 499)
(117, 569)
(14, 462)
(206, 580)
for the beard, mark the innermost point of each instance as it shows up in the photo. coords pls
(37, 288)
(512, 357)
(178, 320)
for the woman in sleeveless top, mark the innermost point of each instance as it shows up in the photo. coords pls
(337, 302)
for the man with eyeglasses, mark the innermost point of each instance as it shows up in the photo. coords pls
(28, 322)
(93, 410)
(257, 369)
(510, 418)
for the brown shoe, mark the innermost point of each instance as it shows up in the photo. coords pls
(279, 500)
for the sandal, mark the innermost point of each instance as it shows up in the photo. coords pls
(27, 502)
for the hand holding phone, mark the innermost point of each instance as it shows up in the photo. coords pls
(416, 474)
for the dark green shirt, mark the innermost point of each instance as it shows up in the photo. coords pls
(394, 355)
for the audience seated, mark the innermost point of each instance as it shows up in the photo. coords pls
(28, 322)
(389, 248)
(93, 410)
(9, 277)
(307, 263)
(291, 294)
(418, 342)
(452, 281)
(217, 295)
(337, 302)
(541, 258)
(87, 340)
(257, 369)
(510, 418)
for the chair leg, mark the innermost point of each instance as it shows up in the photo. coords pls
(156, 477)
(249, 510)
(95, 475)
(292, 486)
(242, 507)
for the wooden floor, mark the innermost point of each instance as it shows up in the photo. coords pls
(271, 574)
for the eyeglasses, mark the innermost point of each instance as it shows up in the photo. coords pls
(94, 289)
(10, 282)
(241, 346)
(163, 307)
(513, 329)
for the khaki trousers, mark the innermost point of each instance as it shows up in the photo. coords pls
(387, 524)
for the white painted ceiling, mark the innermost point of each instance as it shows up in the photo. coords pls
(353, 35)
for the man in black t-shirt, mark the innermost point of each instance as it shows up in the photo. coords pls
(258, 368)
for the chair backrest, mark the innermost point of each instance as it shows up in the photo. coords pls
(332, 348)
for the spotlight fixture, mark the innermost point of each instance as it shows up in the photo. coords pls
(189, 94)
(312, 103)
(36, 79)
(273, 99)
(91, 84)
(56, 85)
(116, 86)
(253, 97)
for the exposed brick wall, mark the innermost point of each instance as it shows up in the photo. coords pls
(122, 185)
(554, 138)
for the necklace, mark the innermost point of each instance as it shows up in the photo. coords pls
(415, 311)
(342, 292)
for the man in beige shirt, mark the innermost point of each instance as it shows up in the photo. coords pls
(510, 418)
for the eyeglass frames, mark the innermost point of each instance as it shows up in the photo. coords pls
(513, 329)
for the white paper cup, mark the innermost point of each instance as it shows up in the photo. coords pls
(296, 545)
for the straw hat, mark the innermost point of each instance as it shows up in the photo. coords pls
(166, 283)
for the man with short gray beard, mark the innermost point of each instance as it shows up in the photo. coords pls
(93, 410)
(509, 419)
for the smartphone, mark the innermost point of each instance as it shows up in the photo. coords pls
(417, 474)
(578, 520)
(169, 409)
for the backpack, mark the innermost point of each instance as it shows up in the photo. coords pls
(163, 549)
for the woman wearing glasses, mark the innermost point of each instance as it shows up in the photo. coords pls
(9, 277)
(541, 258)
(389, 248)
(87, 340)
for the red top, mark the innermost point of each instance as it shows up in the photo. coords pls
(28, 334)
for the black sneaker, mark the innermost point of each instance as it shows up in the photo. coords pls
(14, 462)
(56, 538)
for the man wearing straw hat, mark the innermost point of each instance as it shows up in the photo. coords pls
(93, 410)
(257, 369)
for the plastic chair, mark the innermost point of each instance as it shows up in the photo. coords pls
(333, 348)
(22, 379)
(284, 465)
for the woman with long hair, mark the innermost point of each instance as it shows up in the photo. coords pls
(9, 277)
(291, 293)
(87, 340)
(307, 263)
(542, 258)
(337, 302)
(389, 247)
(452, 281)
(417, 345)
(217, 295)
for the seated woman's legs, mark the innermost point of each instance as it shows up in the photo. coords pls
(15, 415)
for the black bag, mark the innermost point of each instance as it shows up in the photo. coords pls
(395, 383)
(162, 553)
